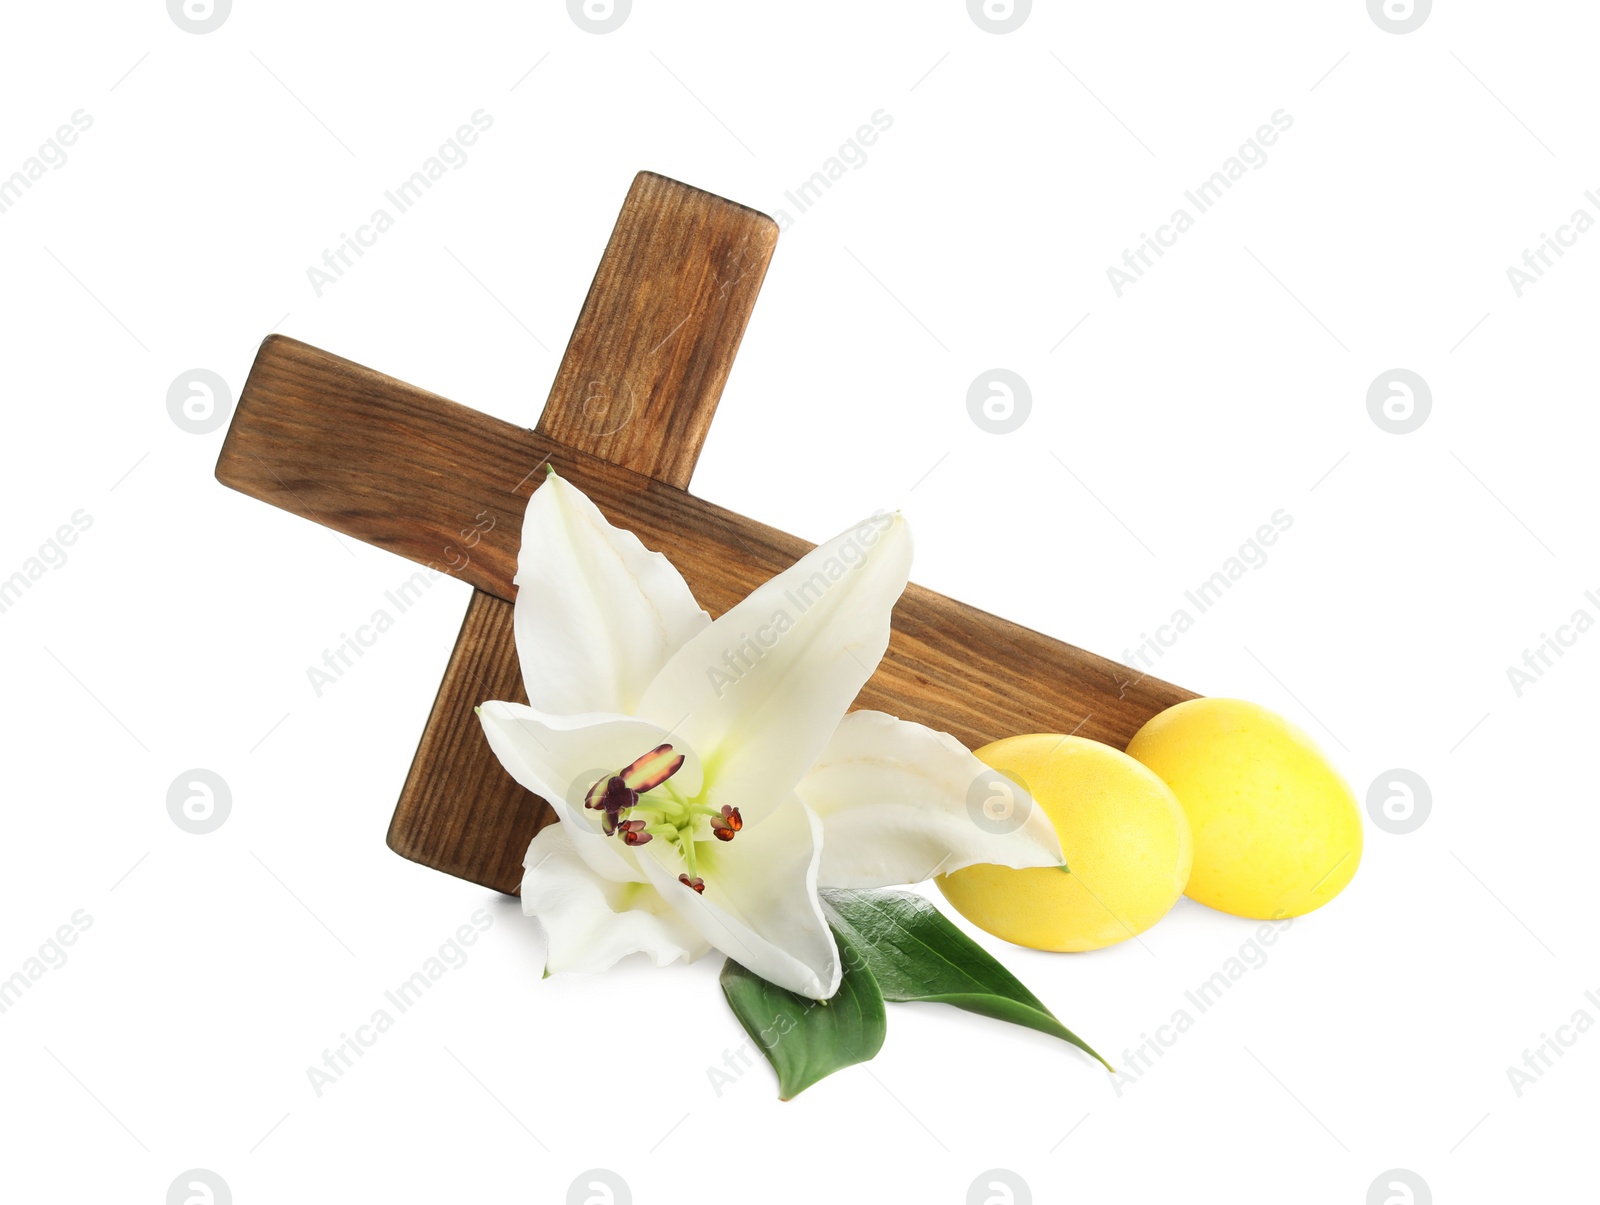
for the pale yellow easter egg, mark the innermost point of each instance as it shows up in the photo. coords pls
(1124, 835)
(1277, 831)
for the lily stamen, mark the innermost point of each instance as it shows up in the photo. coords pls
(618, 793)
(613, 796)
(686, 848)
(652, 769)
(726, 823)
(633, 832)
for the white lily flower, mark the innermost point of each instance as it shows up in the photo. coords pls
(706, 776)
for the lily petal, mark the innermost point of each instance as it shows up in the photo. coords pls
(597, 615)
(900, 803)
(760, 691)
(591, 922)
(760, 906)
(558, 757)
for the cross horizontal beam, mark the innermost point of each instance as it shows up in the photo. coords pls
(420, 475)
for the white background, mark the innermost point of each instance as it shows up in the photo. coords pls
(1228, 383)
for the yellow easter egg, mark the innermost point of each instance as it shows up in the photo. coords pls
(1122, 830)
(1277, 831)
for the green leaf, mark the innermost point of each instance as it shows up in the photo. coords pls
(913, 952)
(806, 1040)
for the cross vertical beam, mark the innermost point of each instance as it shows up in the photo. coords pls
(637, 386)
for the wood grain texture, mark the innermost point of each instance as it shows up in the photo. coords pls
(459, 811)
(638, 386)
(656, 339)
(402, 468)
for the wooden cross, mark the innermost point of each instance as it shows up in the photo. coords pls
(632, 402)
